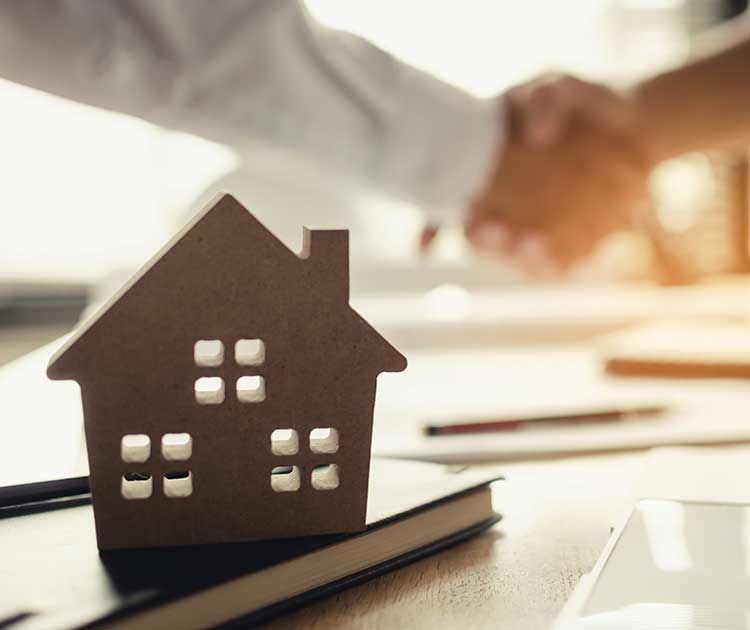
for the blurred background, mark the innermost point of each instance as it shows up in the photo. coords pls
(88, 195)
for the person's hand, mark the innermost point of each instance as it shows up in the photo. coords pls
(539, 111)
(569, 175)
(549, 207)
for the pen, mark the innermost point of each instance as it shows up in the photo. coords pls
(43, 496)
(512, 424)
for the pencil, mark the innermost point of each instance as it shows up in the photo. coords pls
(496, 425)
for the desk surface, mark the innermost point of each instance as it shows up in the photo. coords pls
(558, 515)
(16, 341)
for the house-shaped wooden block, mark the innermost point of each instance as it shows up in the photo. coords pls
(228, 390)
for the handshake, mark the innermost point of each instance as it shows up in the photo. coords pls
(573, 169)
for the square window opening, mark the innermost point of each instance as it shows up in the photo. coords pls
(208, 353)
(284, 442)
(135, 448)
(324, 440)
(250, 352)
(251, 389)
(285, 479)
(209, 390)
(176, 447)
(325, 477)
(136, 485)
(178, 484)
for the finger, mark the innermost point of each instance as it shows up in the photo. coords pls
(568, 246)
(490, 238)
(485, 212)
(541, 109)
(542, 113)
(426, 238)
(547, 107)
(595, 102)
(533, 255)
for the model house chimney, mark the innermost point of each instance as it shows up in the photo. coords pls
(327, 252)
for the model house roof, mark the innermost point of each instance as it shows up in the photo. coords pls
(319, 276)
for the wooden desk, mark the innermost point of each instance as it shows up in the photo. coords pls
(557, 519)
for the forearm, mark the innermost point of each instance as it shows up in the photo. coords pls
(702, 105)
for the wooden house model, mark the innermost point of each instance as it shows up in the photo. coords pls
(228, 389)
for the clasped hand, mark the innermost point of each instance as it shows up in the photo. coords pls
(569, 174)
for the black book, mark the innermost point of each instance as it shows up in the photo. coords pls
(53, 575)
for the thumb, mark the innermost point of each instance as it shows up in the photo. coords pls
(539, 112)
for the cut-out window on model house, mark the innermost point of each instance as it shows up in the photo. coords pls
(178, 484)
(324, 440)
(285, 479)
(325, 477)
(209, 390)
(251, 389)
(208, 353)
(284, 442)
(135, 448)
(136, 485)
(176, 447)
(250, 352)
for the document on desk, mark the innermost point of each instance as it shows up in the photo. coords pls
(694, 425)
(503, 382)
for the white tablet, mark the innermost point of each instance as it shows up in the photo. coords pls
(682, 559)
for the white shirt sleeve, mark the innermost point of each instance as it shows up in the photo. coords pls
(255, 73)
